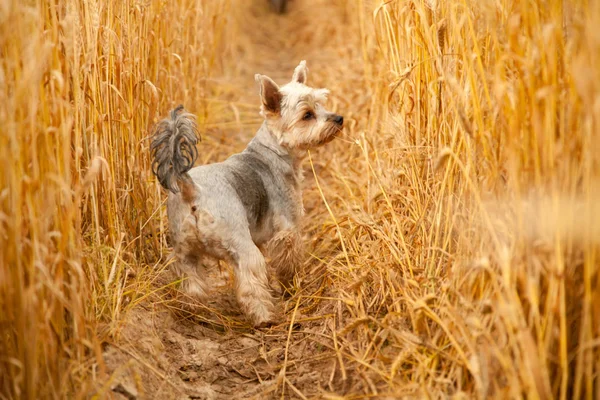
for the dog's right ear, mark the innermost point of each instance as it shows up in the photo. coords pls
(300, 73)
(269, 94)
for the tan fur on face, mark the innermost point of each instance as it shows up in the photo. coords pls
(289, 126)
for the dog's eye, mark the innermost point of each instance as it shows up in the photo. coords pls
(308, 115)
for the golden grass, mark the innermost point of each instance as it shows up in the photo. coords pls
(453, 232)
(81, 84)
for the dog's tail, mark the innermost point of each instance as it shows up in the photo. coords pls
(174, 151)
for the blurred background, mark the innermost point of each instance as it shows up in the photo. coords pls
(453, 231)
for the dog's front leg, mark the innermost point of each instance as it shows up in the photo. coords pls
(285, 251)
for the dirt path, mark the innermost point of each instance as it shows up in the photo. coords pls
(170, 347)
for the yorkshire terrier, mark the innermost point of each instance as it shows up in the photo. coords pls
(249, 204)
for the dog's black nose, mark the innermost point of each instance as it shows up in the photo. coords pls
(338, 119)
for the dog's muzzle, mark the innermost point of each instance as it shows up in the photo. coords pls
(337, 119)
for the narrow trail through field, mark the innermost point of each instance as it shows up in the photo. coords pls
(167, 351)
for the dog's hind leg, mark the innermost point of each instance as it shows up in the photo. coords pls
(190, 264)
(191, 268)
(251, 283)
(285, 251)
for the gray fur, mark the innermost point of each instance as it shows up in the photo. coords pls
(247, 180)
(255, 190)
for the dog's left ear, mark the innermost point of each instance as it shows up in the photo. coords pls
(300, 73)
(269, 94)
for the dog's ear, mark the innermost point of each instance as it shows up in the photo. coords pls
(269, 94)
(300, 73)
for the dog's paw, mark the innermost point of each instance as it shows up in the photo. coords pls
(264, 324)
(276, 287)
(275, 317)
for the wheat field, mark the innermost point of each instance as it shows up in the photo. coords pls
(453, 231)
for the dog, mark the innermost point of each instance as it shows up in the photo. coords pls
(249, 204)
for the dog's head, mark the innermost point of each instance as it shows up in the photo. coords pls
(295, 113)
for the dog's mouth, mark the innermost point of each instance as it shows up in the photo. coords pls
(332, 133)
(328, 139)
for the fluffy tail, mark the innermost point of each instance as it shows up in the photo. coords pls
(174, 150)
